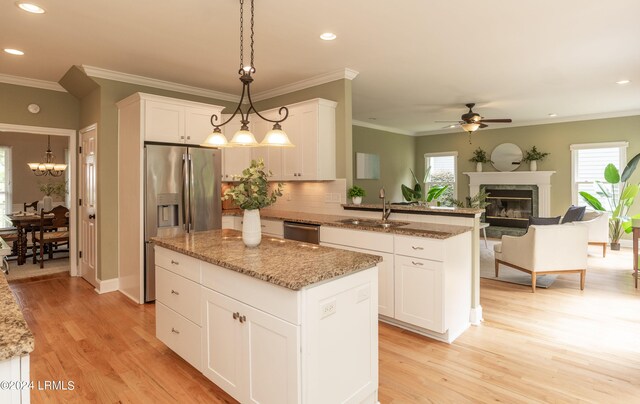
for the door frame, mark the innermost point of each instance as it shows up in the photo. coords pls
(72, 135)
(93, 126)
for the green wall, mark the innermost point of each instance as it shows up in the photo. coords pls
(340, 92)
(554, 138)
(57, 109)
(397, 156)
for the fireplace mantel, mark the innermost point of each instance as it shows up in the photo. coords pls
(540, 178)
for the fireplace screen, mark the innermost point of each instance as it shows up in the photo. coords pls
(509, 207)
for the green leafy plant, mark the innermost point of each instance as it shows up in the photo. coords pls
(478, 201)
(534, 155)
(253, 190)
(480, 156)
(355, 191)
(619, 202)
(415, 194)
(54, 188)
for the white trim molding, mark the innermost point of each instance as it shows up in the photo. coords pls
(98, 72)
(602, 145)
(383, 128)
(575, 148)
(39, 130)
(106, 286)
(35, 83)
(339, 74)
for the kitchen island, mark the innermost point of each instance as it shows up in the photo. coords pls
(16, 343)
(285, 322)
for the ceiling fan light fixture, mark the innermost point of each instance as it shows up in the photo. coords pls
(470, 127)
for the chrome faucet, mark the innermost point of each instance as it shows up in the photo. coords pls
(386, 207)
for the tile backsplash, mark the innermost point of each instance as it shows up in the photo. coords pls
(313, 197)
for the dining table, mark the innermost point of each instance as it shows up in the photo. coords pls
(24, 223)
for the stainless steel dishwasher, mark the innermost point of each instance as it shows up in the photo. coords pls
(305, 232)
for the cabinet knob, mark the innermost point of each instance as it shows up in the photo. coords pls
(417, 248)
(417, 263)
(236, 315)
(173, 330)
(181, 137)
(173, 292)
(175, 262)
(188, 137)
(243, 319)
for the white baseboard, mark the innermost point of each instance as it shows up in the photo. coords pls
(475, 318)
(624, 243)
(109, 285)
(136, 301)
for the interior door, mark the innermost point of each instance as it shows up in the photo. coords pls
(88, 247)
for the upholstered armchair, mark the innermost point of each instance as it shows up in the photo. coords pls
(560, 248)
(598, 225)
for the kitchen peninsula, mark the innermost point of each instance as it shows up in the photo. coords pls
(284, 322)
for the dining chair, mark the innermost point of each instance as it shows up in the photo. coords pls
(53, 231)
(33, 205)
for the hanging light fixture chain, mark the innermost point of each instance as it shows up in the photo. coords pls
(241, 34)
(252, 65)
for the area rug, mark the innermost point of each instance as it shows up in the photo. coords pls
(506, 274)
(30, 270)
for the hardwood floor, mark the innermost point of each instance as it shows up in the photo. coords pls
(557, 345)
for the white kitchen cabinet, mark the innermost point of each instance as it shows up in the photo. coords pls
(179, 334)
(272, 156)
(418, 293)
(16, 371)
(243, 346)
(234, 159)
(170, 120)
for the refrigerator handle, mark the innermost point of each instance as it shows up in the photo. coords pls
(192, 225)
(185, 202)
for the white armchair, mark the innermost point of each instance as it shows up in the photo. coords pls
(546, 249)
(598, 225)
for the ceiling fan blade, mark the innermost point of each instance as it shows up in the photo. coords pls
(496, 120)
(483, 125)
(448, 121)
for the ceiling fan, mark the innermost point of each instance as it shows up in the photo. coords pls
(472, 121)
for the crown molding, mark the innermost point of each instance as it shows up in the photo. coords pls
(101, 73)
(384, 128)
(38, 130)
(27, 82)
(339, 74)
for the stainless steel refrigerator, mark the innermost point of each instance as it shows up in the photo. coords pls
(182, 195)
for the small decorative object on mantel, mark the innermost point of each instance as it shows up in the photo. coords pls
(356, 193)
(251, 195)
(533, 156)
(479, 157)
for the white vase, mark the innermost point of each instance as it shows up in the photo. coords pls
(47, 203)
(478, 167)
(251, 229)
(357, 200)
(533, 165)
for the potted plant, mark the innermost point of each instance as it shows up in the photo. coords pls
(252, 194)
(356, 193)
(533, 156)
(478, 201)
(620, 196)
(479, 157)
(415, 194)
(49, 189)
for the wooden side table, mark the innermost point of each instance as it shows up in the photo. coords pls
(636, 236)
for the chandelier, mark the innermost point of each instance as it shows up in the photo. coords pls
(48, 167)
(244, 137)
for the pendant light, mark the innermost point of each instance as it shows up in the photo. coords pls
(244, 137)
(48, 166)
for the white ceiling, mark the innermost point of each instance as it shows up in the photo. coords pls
(419, 60)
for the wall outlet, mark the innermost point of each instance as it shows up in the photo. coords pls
(328, 309)
(288, 196)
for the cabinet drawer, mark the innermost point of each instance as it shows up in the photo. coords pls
(369, 240)
(180, 294)
(273, 227)
(178, 263)
(228, 222)
(179, 334)
(420, 247)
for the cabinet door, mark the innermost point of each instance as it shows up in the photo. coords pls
(222, 357)
(292, 156)
(272, 352)
(198, 124)
(418, 292)
(164, 122)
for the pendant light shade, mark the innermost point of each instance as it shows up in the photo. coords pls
(243, 138)
(276, 137)
(470, 127)
(48, 166)
(215, 139)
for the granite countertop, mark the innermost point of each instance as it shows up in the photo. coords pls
(291, 264)
(417, 209)
(418, 229)
(15, 337)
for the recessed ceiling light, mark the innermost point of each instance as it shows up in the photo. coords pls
(553, 115)
(452, 126)
(30, 7)
(14, 51)
(328, 36)
(623, 82)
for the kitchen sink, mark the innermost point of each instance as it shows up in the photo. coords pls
(372, 223)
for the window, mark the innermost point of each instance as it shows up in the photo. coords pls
(588, 162)
(442, 168)
(5, 179)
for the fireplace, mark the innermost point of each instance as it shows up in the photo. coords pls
(509, 207)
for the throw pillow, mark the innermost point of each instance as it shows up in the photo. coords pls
(543, 220)
(574, 214)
